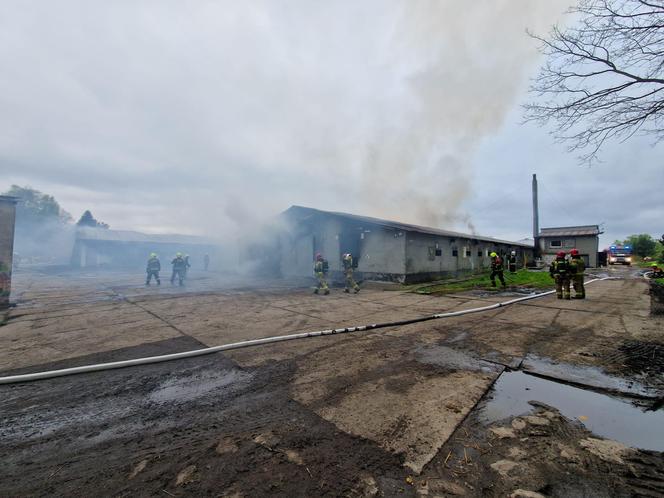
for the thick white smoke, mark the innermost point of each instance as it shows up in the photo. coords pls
(204, 117)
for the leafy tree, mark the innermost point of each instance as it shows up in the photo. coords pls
(642, 244)
(603, 77)
(36, 207)
(87, 220)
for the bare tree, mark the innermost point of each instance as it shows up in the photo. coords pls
(603, 77)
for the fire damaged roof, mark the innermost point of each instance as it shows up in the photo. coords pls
(570, 231)
(301, 213)
(103, 234)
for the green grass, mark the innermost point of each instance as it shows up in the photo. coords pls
(638, 261)
(522, 278)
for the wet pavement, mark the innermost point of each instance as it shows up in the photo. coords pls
(337, 415)
(607, 416)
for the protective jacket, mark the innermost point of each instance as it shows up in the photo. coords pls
(153, 265)
(497, 264)
(577, 265)
(179, 264)
(559, 267)
(320, 266)
(348, 262)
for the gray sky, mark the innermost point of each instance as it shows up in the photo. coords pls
(203, 117)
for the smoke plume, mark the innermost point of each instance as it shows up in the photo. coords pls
(207, 117)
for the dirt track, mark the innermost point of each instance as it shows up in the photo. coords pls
(362, 414)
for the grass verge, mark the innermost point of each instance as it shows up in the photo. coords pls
(522, 278)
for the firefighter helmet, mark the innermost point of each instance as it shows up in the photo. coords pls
(153, 255)
(560, 254)
(574, 252)
(178, 254)
(493, 255)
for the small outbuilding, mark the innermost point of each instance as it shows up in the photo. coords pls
(584, 238)
(382, 249)
(105, 248)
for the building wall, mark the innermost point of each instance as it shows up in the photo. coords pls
(431, 256)
(587, 246)
(7, 226)
(382, 254)
(379, 251)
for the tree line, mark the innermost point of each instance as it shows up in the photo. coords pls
(36, 208)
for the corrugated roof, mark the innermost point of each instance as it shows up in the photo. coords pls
(570, 231)
(92, 233)
(407, 227)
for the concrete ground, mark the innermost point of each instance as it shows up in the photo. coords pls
(363, 414)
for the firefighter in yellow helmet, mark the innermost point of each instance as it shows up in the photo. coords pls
(320, 270)
(179, 269)
(347, 260)
(153, 268)
(560, 272)
(497, 270)
(577, 268)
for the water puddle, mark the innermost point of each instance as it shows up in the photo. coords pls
(606, 416)
(590, 376)
(194, 386)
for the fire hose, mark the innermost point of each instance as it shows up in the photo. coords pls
(49, 374)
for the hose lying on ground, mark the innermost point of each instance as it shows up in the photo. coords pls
(49, 374)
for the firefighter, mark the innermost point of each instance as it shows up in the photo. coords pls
(179, 269)
(656, 271)
(559, 271)
(497, 269)
(153, 268)
(511, 262)
(320, 270)
(348, 273)
(577, 267)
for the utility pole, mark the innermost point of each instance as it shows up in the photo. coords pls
(536, 248)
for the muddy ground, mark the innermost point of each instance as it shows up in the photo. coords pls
(437, 408)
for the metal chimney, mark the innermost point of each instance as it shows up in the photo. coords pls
(536, 250)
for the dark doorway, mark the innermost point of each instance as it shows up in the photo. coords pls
(351, 241)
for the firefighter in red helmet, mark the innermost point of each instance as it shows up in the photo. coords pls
(560, 272)
(577, 267)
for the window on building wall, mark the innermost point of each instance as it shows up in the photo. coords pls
(555, 243)
(455, 253)
(439, 252)
(468, 253)
(479, 253)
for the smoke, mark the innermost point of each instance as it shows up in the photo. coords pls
(45, 242)
(210, 117)
(467, 67)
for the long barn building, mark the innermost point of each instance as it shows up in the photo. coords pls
(384, 250)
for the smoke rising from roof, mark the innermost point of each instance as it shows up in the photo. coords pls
(201, 117)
